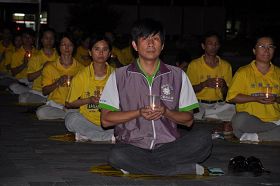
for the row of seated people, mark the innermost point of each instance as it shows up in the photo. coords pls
(210, 76)
(148, 138)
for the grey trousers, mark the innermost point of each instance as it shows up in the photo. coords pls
(178, 157)
(46, 112)
(32, 97)
(221, 111)
(243, 122)
(17, 88)
(77, 123)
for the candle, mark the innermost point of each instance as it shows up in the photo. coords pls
(266, 92)
(68, 82)
(217, 82)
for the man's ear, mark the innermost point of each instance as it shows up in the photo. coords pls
(203, 46)
(134, 45)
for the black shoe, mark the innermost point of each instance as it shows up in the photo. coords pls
(255, 166)
(240, 165)
(237, 165)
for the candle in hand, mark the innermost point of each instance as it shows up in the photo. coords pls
(266, 93)
(68, 82)
(217, 82)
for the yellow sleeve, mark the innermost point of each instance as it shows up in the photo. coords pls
(77, 87)
(192, 74)
(228, 74)
(237, 86)
(17, 60)
(8, 58)
(46, 75)
(33, 64)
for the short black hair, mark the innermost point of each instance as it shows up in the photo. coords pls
(28, 31)
(48, 29)
(96, 38)
(262, 35)
(210, 34)
(70, 37)
(147, 27)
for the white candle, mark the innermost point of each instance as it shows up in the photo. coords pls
(217, 82)
(266, 93)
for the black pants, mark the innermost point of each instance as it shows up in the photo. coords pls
(178, 157)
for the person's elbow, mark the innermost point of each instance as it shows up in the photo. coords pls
(188, 120)
(45, 92)
(104, 119)
(29, 78)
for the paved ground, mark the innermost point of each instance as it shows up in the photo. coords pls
(28, 157)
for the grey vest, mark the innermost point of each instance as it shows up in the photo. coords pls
(133, 91)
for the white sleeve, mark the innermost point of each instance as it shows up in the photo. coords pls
(187, 100)
(109, 99)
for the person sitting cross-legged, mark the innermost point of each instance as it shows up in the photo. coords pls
(85, 90)
(147, 139)
(56, 80)
(255, 89)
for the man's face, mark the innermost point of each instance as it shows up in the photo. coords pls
(48, 40)
(27, 40)
(148, 48)
(211, 45)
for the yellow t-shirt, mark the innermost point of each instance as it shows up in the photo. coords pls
(36, 63)
(198, 71)
(52, 72)
(82, 56)
(84, 85)
(17, 60)
(5, 51)
(124, 55)
(249, 81)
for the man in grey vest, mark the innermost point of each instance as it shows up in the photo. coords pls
(145, 101)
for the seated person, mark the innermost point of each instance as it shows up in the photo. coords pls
(6, 45)
(82, 54)
(6, 78)
(35, 66)
(85, 90)
(19, 63)
(122, 50)
(255, 89)
(56, 79)
(146, 134)
(210, 76)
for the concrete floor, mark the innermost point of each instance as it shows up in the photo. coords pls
(28, 157)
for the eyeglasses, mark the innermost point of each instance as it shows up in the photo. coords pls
(269, 47)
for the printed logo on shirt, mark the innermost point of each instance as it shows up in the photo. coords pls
(167, 93)
(92, 106)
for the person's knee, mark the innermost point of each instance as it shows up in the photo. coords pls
(41, 114)
(117, 157)
(239, 119)
(70, 120)
(22, 98)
